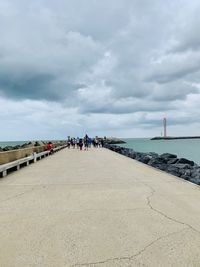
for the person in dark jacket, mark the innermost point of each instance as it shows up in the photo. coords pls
(81, 143)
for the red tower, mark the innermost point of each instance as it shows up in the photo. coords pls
(165, 127)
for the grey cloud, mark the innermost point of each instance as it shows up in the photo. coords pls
(101, 58)
(173, 91)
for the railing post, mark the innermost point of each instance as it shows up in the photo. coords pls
(4, 173)
(35, 157)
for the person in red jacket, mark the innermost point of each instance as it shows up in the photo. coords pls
(50, 147)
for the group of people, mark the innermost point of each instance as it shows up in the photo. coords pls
(79, 143)
(85, 142)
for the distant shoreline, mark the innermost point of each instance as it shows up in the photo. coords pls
(175, 138)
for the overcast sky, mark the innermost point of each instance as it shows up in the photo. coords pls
(103, 67)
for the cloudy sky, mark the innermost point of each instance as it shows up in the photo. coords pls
(103, 67)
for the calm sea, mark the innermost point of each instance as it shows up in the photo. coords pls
(189, 148)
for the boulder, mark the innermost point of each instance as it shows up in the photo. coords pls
(173, 170)
(142, 157)
(185, 161)
(16, 147)
(156, 161)
(168, 156)
(182, 166)
(7, 148)
(153, 154)
(172, 161)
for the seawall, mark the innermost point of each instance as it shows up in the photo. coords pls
(10, 154)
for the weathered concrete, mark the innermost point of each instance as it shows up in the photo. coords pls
(8, 156)
(97, 208)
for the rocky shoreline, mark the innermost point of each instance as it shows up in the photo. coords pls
(170, 163)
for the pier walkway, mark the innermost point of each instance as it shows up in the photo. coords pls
(97, 208)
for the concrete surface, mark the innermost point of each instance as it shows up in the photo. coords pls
(97, 208)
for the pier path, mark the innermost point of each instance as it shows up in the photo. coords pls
(99, 209)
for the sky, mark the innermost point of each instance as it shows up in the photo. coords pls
(113, 68)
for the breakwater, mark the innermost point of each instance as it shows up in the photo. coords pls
(170, 163)
(175, 138)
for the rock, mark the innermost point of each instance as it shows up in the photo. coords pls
(142, 157)
(185, 174)
(156, 161)
(195, 172)
(173, 170)
(114, 140)
(195, 180)
(168, 156)
(145, 159)
(132, 155)
(7, 148)
(172, 161)
(162, 167)
(38, 143)
(185, 161)
(153, 154)
(183, 166)
(17, 147)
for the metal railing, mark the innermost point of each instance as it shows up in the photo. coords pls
(16, 165)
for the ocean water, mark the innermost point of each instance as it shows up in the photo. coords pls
(12, 143)
(189, 148)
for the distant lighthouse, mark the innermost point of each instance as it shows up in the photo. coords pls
(165, 127)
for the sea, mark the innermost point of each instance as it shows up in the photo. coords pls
(184, 148)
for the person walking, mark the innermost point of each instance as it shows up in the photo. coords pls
(77, 142)
(86, 142)
(81, 143)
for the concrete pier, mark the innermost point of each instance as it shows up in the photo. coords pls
(97, 208)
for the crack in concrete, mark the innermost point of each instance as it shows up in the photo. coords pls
(129, 258)
(153, 191)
